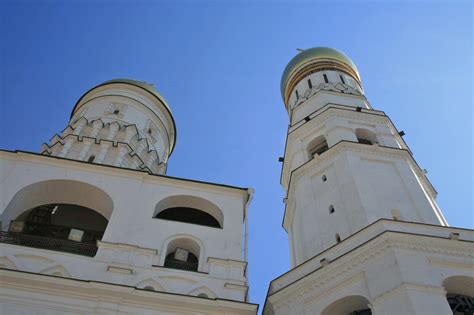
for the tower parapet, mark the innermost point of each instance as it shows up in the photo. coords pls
(121, 122)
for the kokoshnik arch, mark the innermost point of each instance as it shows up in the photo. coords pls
(93, 225)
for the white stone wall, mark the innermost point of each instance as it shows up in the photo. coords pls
(134, 245)
(361, 184)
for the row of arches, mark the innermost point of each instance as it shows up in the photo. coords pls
(320, 145)
(71, 216)
(459, 295)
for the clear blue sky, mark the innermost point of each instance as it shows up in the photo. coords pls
(219, 63)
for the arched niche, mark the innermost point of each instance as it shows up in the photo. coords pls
(187, 243)
(365, 136)
(460, 294)
(58, 192)
(349, 305)
(317, 146)
(203, 292)
(189, 209)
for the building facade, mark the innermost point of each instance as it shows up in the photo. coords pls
(92, 225)
(366, 235)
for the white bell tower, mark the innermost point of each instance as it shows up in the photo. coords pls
(366, 236)
(345, 163)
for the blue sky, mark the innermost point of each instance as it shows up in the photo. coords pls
(219, 64)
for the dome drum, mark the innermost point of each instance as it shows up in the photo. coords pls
(314, 60)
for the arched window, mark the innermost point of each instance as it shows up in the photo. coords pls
(188, 215)
(365, 136)
(63, 227)
(460, 294)
(189, 209)
(318, 146)
(349, 305)
(182, 253)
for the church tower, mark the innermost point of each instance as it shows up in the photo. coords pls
(124, 123)
(366, 235)
(92, 225)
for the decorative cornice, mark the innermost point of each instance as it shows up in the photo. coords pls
(140, 141)
(93, 291)
(296, 291)
(437, 262)
(406, 286)
(312, 68)
(338, 87)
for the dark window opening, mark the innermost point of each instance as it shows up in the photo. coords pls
(362, 312)
(91, 159)
(57, 221)
(364, 141)
(461, 304)
(116, 111)
(188, 215)
(342, 79)
(338, 238)
(149, 131)
(325, 78)
(297, 95)
(324, 178)
(331, 209)
(59, 227)
(320, 148)
(189, 263)
(365, 136)
(310, 84)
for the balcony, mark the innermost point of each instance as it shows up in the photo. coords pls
(60, 245)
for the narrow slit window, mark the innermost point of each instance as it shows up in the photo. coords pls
(342, 79)
(310, 84)
(297, 94)
(324, 178)
(338, 238)
(91, 159)
(325, 78)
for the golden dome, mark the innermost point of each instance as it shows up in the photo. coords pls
(312, 59)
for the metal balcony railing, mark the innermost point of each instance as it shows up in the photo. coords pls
(60, 245)
(183, 265)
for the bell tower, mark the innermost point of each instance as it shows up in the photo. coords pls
(345, 164)
(123, 123)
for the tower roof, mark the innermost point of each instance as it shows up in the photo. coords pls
(149, 87)
(308, 57)
(143, 85)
